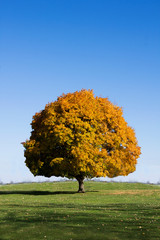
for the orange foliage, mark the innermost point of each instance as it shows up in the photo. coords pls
(81, 135)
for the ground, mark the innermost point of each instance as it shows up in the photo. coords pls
(55, 211)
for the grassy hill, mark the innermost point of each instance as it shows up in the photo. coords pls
(54, 211)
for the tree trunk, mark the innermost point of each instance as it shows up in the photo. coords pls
(81, 184)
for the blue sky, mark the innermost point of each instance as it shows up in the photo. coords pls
(50, 47)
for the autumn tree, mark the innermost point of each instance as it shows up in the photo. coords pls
(79, 136)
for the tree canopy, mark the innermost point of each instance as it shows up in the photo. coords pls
(80, 135)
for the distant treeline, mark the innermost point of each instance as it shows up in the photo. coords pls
(65, 180)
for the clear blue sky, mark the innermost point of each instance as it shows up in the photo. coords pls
(50, 47)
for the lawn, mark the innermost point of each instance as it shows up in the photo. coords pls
(54, 211)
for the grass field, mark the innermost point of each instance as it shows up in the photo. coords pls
(114, 211)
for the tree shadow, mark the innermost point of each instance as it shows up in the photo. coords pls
(36, 192)
(40, 192)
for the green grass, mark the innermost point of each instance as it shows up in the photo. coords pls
(54, 211)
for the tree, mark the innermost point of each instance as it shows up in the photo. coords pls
(79, 136)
